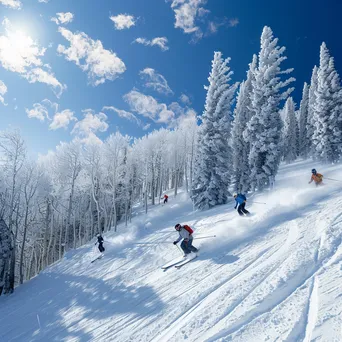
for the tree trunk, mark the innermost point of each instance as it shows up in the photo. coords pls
(74, 229)
(11, 278)
(47, 225)
(152, 184)
(21, 264)
(71, 198)
(51, 225)
(60, 253)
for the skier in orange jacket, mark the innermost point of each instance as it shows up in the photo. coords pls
(316, 177)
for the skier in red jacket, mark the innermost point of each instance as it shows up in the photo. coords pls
(185, 233)
(166, 197)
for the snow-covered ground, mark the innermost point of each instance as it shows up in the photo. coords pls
(274, 276)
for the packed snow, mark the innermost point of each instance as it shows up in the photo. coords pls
(273, 276)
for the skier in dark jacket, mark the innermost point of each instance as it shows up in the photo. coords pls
(100, 242)
(240, 204)
(185, 233)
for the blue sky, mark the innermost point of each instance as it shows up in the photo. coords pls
(64, 74)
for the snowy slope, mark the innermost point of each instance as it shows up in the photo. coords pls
(275, 276)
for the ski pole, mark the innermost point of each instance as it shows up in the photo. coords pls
(180, 250)
(336, 180)
(204, 237)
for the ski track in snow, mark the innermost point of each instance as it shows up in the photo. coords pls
(274, 276)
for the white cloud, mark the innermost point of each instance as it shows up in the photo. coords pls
(213, 27)
(158, 41)
(177, 108)
(155, 81)
(123, 21)
(21, 54)
(43, 76)
(146, 127)
(142, 104)
(14, 4)
(234, 22)
(187, 13)
(165, 115)
(184, 116)
(44, 1)
(63, 18)
(62, 119)
(87, 128)
(149, 107)
(123, 114)
(91, 57)
(3, 91)
(185, 99)
(41, 110)
(188, 118)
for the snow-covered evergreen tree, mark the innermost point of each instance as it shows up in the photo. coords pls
(311, 111)
(290, 132)
(327, 136)
(241, 147)
(303, 123)
(211, 172)
(264, 129)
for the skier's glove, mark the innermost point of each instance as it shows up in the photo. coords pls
(175, 242)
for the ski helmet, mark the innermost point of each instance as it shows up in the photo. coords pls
(313, 171)
(234, 194)
(98, 234)
(178, 226)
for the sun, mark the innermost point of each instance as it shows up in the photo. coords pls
(18, 50)
(19, 40)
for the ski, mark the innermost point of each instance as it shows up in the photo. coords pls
(178, 266)
(172, 263)
(99, 257)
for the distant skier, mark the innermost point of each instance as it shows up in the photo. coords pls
(100, 242)
(185, 233)
(166, 197)
(240, 204)
(316, 177)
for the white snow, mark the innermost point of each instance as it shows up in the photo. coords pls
(274, 276)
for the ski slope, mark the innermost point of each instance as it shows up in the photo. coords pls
(274, 276)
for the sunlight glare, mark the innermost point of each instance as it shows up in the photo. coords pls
(18, 49)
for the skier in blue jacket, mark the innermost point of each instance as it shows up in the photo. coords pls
(240, 204)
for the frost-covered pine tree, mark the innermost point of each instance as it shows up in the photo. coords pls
(290, 131)
(327, 136)
(263, 131)
(241, 147)
(311, 111)
(303, 123)
(211, 172)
